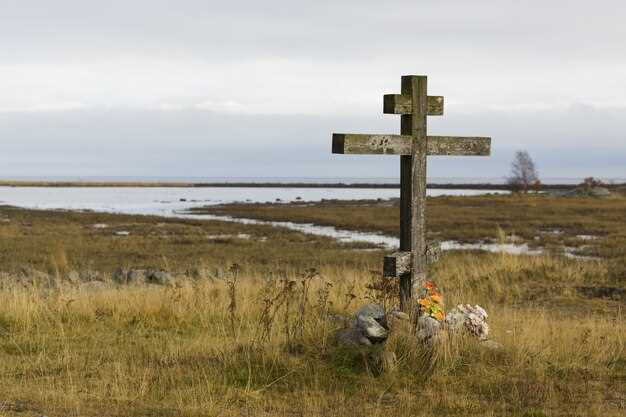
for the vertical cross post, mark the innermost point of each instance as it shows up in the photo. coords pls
(413, 186)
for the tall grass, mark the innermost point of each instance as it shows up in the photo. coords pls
(249, 343)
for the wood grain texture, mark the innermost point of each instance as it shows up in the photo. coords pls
(419, 94)
(406, 199)
(381, 144)
(402, 104)
(399, 263)
(352, 143)
(457, 145)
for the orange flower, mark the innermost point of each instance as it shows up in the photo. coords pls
(438, 315)
(429, 285)
(425, 303)
(436, 298)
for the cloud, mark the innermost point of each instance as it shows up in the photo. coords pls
(157, 86)
(44, 107)
(229, 106)
(319, 57)
(202, 143)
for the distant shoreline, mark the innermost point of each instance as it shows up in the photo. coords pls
(148, 184)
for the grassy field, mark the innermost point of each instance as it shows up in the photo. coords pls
(594, 226)
(256, 338)
(52, 241)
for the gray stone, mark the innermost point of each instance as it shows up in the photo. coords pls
(376, 311)
(428, 328)
(158, 276)
(34, 277)
(73, 277)
(371, 320)
(472, 319)
(125, 276)
(89, 275)
(369, 327)
(136, 276)
(352, 337)
(120, 275)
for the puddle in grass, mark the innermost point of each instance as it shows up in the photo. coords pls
(588, 237)
(386, 242)
(345, 236)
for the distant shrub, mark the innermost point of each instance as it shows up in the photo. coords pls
(591, 182)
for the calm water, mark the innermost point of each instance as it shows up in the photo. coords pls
(174, 202)
(167, 201)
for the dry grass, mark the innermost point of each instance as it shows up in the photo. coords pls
(258, 340)
(186, 350)
(56, 240)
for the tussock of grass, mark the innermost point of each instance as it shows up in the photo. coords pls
(186, 350)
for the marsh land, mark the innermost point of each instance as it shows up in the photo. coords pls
(244, 323)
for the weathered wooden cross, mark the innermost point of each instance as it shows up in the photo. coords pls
(413, 145)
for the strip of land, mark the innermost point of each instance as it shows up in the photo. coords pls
(159, 184)
(593, 227)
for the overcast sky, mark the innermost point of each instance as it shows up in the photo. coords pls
(248, 88)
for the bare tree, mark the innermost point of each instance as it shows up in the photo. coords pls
(523, 173)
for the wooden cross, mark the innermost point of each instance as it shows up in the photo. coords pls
(413, 145)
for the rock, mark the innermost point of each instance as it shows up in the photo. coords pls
(73, 277)
(427, 328)
(352, 337)
(120, 275)
(158, 276)
(35, 277)
(136, 276)
(122, 233)
(470, 318)
(372, 321)
(369, 327)
(89, 275)
(375, 311)
(129, 276)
